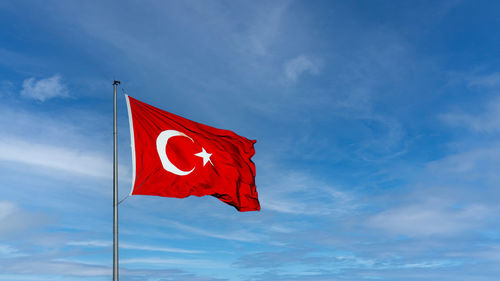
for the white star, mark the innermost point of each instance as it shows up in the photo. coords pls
(206, 156)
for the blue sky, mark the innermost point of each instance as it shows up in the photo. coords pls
(378, 124)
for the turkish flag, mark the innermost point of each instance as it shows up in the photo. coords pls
(176, 157)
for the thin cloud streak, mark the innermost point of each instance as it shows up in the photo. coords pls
(429, 219)
(66, 160)
(60, 268)
(243, 236)
(488, 121)
(128, 246)
(298, 193)
(197, 263)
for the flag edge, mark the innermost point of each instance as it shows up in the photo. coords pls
(132, 141)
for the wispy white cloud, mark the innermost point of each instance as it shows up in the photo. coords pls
(242, 235)
(66, 160)
(158, 249)
(335, 261)
(91, 243)
(470, 164)
(59, 268)
(429, 219)
(491, 80)
(488, 120)
(197, 263)
(44, 89)
(299, 194)
(296, 67)
(9, 251)
(68, 269)
(129, 246)
(14, 219)
(395, 263)
(485, 251)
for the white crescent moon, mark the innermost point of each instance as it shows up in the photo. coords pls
(161, 146)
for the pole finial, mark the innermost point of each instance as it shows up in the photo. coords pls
(116, 82)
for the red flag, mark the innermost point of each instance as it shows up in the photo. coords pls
(176, 157)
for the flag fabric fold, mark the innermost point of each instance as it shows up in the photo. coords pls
(176, 157)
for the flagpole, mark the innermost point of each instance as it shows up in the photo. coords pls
(115, 187)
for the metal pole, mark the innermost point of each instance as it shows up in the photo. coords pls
(115, 187)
